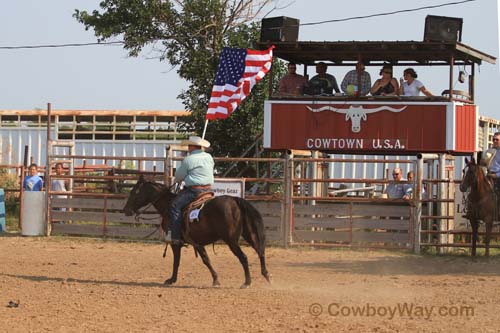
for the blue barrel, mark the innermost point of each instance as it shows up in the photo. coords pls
(2, 210)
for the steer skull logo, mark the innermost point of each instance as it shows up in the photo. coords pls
(355, 113)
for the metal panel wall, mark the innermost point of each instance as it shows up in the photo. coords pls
(365, 170)
(13, 141)
(122, 149)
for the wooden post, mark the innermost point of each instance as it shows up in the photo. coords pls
(452, 60)
(313, 175)
(48, 154)
(287, 204)
(168, 167)
(442, 205)
(472, 82)
(418, 204)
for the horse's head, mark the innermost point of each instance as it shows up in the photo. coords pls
(470, 175)
(143, 193)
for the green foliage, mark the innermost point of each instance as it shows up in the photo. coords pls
(10, 181)
(190, 35)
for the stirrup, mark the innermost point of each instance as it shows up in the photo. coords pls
(168, 238)
(177, 242)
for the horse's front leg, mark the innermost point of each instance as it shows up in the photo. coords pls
(176, 249)
(475, 226)
(204, 256)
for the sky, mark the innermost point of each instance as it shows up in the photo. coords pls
(103, 77)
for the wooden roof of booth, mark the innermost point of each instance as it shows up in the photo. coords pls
(401, 53)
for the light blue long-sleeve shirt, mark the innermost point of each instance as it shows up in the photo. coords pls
(495, 163)
(196, 169)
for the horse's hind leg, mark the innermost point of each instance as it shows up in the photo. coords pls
(176, 249)
(235, 248)
(204, 256)
(261, 252)
(263, 268)
(475, 227)
(487, 237)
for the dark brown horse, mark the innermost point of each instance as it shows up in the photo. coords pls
(480, 202)
(223, 218)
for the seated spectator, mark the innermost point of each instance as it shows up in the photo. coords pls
(292, 83)
(410, 86)
(33, 182)
(357, 77)
(326, 83)
(396, 189)
(386, 85)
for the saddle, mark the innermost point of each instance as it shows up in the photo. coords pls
(188, 212)
(197, 204)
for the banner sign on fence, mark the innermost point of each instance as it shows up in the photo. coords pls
(234, 187)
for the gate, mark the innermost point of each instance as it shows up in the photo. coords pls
(300, 204)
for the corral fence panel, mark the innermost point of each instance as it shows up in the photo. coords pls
(335, 200)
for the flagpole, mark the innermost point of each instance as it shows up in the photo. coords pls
(205, 129)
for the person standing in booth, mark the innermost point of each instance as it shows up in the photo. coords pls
(292, 84)
(357, 77)
(410, 86)
(326, 81)
(386, 85)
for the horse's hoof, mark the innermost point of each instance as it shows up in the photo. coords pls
(245, 286)
(169, 282)
(216, 284)
(268, 278)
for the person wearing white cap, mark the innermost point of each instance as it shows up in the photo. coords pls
(197, 172)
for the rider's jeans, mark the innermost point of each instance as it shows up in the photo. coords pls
(183, 198)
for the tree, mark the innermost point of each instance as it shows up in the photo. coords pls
(190, 35)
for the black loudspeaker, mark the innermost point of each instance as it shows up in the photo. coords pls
(442, 29)
(279, 29)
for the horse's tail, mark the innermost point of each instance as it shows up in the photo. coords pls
(253, 225)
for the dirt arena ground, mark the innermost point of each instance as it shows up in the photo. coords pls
(78, 285)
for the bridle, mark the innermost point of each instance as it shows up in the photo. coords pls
(161, 187)
(139, 212)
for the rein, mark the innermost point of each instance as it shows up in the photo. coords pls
(138, 214)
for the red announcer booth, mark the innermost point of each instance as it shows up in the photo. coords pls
(373, 127)
(356, 122)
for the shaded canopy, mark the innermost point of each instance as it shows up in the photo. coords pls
(345, 53)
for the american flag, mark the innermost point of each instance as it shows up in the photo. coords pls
(238, 72)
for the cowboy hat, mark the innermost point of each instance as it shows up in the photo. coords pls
(196, 141)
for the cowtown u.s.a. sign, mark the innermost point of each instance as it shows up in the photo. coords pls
(395, 127)
(356, 114)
